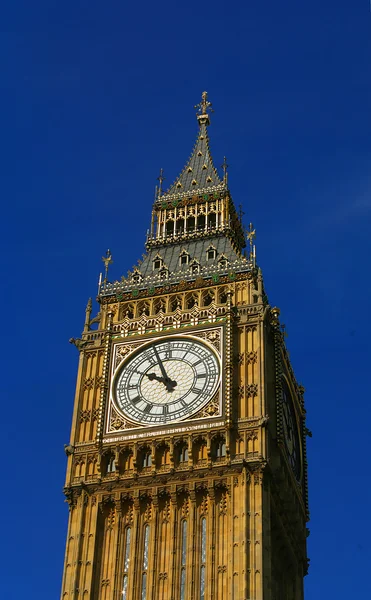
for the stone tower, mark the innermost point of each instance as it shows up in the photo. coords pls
(186, 474)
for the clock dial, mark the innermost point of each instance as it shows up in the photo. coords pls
(290, 430)
(167, 380)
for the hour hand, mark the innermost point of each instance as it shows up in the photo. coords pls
(170, 385)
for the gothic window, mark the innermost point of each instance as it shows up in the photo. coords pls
(175, 302)
(145, 562)
(190, 224)
(143, 308)
(222, 262)
(183, 561)
(126, 461)
(157, 263)
(137, 277)
(208, 298)
(128, 311)
(109, 465)
(195, 267)
(184, 258)
(191, 301)
(182, 453)
(201, 222)
(158, 306)
(203, 559)
(211, 253)
(126, 564)
(219, 448)
(223, 297)
(212, 221)
(169, 227)
(162, 457)
(164, 273)
(147, 459)
(180, 226)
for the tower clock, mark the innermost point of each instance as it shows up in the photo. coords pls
(186, 467)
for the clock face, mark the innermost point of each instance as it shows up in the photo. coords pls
(290, 429)
(167, 380)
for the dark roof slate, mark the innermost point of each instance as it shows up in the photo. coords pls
(199, 172)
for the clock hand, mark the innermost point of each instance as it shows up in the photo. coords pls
(167, 381)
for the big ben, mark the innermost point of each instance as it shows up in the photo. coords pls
(186, 473)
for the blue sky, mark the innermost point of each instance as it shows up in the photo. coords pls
(95, 98)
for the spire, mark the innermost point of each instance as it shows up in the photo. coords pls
(199, 172)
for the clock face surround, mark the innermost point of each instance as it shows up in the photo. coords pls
(166, 380)
(290, 430)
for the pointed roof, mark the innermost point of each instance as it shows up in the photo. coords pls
(199, 172)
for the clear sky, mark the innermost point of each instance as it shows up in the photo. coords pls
(95, 98)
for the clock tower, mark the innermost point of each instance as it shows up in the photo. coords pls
(186, 474)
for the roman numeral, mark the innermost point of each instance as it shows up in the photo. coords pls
(148, 408)
(201, 375)
(136, 399)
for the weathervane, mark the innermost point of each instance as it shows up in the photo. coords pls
(107, 262)
(202, 110)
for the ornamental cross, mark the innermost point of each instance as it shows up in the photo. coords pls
(203, 105)
(107, 262)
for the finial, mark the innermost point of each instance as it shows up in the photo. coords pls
(225, 167)
(202, 108)
(107, 262)
(161, 179)
(250, 234)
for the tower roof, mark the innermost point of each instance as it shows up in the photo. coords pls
(199, 173)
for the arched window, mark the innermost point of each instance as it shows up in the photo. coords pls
(222, 262)
(201, 222)
(126, 564)
(111, 464)
(190, 224)
(211, 253)
(211, 221)
(145, 562)
(184, 258)
(146, 459)
(183, 561)
(203, 559)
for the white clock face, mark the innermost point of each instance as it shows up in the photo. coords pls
(167, 380)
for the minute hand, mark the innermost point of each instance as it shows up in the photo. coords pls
(168, 382)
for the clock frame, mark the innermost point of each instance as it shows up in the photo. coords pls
(206, 405)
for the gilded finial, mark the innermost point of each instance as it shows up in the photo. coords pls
(250, 234)
(225, 167)
(107, 262)
(202, 110)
